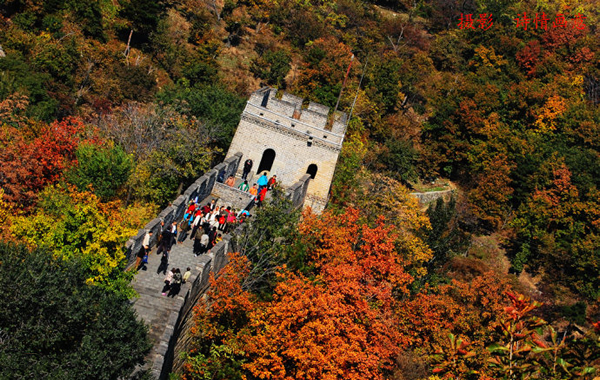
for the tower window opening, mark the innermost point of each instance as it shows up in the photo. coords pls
(266, 162)
(312, 170)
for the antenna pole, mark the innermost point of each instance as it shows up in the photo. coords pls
(343, 84)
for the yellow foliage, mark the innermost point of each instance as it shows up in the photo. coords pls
(5, 212)
(487, 57)
(76, 224)
(4, 208)
(577, 81)
(554, 107)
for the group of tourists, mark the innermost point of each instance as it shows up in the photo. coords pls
(204, 225)
(208, 222)
(166, 239)
(259, 189)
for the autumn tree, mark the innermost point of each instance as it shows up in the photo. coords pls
(385, 197)
(321, 77)
(77, 225)
(467, 306)
(30, 160)
(269, 240)
(221, 318)
(451, 228)
(310, 331)
(272, 66)
(339, 325)
(215, 107)
(556, 231)
(169, 149)
(521, 345)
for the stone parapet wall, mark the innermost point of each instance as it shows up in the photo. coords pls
(428, 197)
(238, 199)
(318, 108)
(297, 192)
(314, 118)
(311, 124)
(317, 204)
(281, 107)
(181, 337)
(292, 99)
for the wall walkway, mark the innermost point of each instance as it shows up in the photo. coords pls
(168, 318)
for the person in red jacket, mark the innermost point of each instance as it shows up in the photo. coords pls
(189, 212)
(262, 195)
(272, 182)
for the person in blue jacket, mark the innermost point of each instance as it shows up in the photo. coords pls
(262, 181)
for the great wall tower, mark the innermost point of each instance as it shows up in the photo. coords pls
(284, 138)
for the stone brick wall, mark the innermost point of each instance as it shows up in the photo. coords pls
(317, 204)
(428, 197)
(339, 123)
(318, 108)
(281, 107)
(293, 99)
(314, 118)
(181, 337)
(297, 192)
(299, 126)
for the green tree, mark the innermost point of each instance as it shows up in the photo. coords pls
(16, 75)
(143, 16)
(400, 158)
(272, 66)
(54, 326)
(213, 105)
(269, 240)
(449, 234)
(105, 169)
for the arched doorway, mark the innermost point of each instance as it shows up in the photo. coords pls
(312, 170)
(266, 162)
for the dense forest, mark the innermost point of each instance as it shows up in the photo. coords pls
(109, 108)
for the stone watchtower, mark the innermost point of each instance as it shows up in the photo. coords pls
(285, 139)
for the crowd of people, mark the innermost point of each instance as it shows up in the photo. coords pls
(205, 225)
(258, 189)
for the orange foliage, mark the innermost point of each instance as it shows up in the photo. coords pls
(469, 308)
(342, 324)
(343, 245)
(219, 319)
(226, 301)
(312, 332)
(326, 69)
